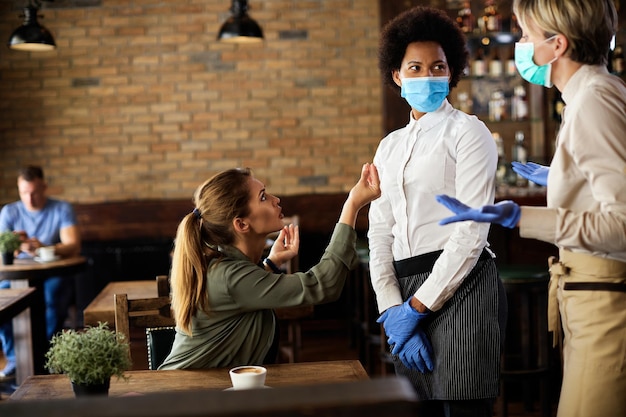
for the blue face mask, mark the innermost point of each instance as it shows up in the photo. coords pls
(425, 94)
(531, 72)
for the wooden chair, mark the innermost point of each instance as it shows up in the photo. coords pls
(152, 314)
(163, 285)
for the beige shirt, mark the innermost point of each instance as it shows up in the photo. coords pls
(586, 200)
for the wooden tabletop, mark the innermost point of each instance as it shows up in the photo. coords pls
(390, 396)
(14, 301)
(43, 387)
(31, 269)
(102, 308)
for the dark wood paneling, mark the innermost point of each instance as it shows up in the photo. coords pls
(126, 220)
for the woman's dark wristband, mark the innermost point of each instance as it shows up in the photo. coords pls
(272, 265)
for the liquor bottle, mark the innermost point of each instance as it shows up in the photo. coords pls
(497, 106)
(519, 104)
(465, 18)
(479, 67)
(495, 65)
(509, 68)
(491, 20)
(520, 154)
(502, 167)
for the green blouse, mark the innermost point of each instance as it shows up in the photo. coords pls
(242, 296)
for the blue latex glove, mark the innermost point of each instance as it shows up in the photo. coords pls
(399, 323)
(533, 172)
(417, 353)
(506, 213)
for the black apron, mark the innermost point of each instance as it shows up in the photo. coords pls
(466, 334)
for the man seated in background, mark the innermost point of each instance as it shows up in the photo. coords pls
(40, 221)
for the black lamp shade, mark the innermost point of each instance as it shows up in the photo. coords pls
(240, 28)
(31, 36)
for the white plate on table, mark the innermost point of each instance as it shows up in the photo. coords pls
(38, 259)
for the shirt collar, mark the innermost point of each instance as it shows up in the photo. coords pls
(580, 79)
(431, 119)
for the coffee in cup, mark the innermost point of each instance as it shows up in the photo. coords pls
(46, 253)
(248, 377)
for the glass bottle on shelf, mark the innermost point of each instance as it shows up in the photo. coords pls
(495, 65)
(497, 106)
(519, 104)
(520, 154)
(491, 20)
(509, 68)
(502, 167)
(465, 18)
(479, 66)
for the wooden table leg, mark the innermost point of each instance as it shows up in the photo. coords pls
(29, 330)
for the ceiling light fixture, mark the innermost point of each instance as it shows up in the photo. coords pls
(240, 28)
(31, 36)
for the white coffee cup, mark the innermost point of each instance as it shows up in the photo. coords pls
(45, 253)
(248, 377)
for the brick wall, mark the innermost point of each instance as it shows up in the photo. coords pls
(140, 101)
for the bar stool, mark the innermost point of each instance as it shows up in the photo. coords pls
(526, 358)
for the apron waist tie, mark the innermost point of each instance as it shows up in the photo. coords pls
(572, 265)
(557, 269)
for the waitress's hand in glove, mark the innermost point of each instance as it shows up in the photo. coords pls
(417, 353)
(533, 172)
(506, 213)
(399, 322)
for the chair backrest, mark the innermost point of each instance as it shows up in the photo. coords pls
(147, 313)
(159, 341)
(163, 285)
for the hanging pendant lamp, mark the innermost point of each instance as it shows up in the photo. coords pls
(31, 36)
(240, 28)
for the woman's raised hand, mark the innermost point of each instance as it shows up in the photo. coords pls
(286, 245)
(364, 192)
(368, 187)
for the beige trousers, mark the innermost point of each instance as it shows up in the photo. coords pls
(591, 295)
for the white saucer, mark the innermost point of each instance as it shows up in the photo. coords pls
(233, 389)
(38, 259)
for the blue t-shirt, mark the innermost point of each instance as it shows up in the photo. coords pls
(44, 224)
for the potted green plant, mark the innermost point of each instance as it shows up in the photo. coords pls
(89, 357)
(9, 243)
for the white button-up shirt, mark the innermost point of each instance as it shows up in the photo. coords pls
(444, 152)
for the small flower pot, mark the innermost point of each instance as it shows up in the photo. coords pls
(92, 389)
(8, 258)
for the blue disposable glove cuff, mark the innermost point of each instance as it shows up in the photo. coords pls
(399, 323)
(513, 217)
(507, 213)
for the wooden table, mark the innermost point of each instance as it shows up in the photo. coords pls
(45, 387)
(14, 301)
(102, 308)
(29, 329)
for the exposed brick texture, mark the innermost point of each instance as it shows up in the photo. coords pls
(140, 101)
